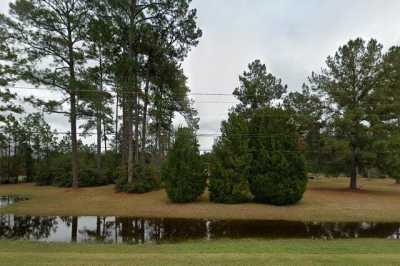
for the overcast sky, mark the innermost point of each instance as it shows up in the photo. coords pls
(292, 37)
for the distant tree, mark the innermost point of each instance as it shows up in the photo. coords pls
(97, 108)
(8, 104)
(308, 110)
(172, 30)
(40, 136)
(258, 88)
(348, 85)
(52, 32)
(385, 111)
(183, 172)
(8, 75)
(96, 111)
(277, 171)
(334, 154)
(388, 155)
(11, 137)
(385, 116)
(230, 162)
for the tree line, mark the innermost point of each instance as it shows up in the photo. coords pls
(346, 116)
(116, 66)
(344, 121)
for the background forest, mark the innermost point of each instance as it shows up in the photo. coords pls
(118, 66)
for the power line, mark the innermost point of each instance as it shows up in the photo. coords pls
(118, 90)
(122, 92)
(197, 135)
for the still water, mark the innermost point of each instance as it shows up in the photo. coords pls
(160, 230)
(7, 200)
(142, 230)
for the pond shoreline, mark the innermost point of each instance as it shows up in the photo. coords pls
(141, 230)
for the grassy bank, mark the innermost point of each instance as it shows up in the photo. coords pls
(224, 252)
(324, 200)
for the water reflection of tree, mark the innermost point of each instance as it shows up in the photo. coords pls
(26, 227)
(183, 229)
(264, 229)
(103, 231)
(351, 230)
(396, 235)
(71, 221)
(140, 230)
(132, 230)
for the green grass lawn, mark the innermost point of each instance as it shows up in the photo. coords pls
(223, 252)
(324, 200)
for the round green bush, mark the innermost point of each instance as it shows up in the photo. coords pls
(183, 172)
(277, 173)
(225, 190)
(140, 186)
(145, 180)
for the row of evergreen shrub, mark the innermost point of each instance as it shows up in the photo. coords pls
(56, 170)
(257, 158)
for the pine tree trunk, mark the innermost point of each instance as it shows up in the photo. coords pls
(137, 121)
(170, 128)
(104, 136)
(99, 103)
(125, 138)
(354, 167)
(74, 230)
(74, 143)
(133, 95)
(158, 137)
(99, 142)
(130, 139)
(116, 125)
(9, 160)
(73, 112)
(144, 119)
(159, 127)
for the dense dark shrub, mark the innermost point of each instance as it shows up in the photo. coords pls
(146, 180)
(8, 180)
(183, 172)
(88, 177)
(11, 168)
(120, 184)
(56, 170)
(388, 156)
(44, 175)
(230, 189)
(230, 162)
(141, 185)
(110, 162)
(277, 173)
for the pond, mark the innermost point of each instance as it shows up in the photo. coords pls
(7, 200)
(142, 230)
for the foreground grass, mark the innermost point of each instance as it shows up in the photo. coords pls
(224, 252)
(324, 200)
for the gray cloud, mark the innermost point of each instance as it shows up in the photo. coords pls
(292, 37)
